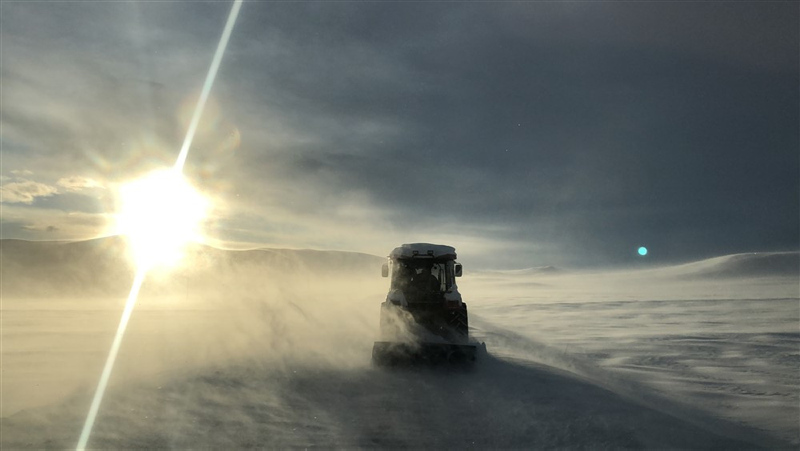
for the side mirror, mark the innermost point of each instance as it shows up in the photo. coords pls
(459, 270)
(385, 270)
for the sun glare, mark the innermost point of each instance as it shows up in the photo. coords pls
(159, 214)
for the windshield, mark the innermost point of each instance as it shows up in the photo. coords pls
(419, 275)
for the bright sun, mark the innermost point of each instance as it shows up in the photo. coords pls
(159, 214)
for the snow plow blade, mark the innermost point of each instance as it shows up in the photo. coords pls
(388, 353)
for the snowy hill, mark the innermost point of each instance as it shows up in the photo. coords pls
(533, 271)
(102, 266)
(755, 264)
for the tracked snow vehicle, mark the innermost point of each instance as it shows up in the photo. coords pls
(423, 317)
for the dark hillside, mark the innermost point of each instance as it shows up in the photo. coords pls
(101, 266)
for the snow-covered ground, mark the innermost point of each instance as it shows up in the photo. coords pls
(726, 345)
(698, 356)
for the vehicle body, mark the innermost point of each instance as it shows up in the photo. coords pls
(423, 316)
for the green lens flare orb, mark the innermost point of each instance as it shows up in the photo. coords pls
(642, 251)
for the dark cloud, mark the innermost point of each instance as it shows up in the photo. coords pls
(570, 133)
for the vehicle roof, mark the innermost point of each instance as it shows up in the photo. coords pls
(424, 250)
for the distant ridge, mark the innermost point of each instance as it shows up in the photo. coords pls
(308, 259)
(548, 269)
(44, 267)
(755, 264)
(752, 264)
(101, 265)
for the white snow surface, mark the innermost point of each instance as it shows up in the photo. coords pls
(256, 356)
(423, 249)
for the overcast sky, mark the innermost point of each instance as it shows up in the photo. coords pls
(523, 134)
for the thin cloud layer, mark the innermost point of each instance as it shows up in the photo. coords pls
(78, 183)
(25, 191)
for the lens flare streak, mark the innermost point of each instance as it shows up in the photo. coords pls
(212, 74)
(141, 271)
(112, 356)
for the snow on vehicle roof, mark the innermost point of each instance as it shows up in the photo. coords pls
(424, 250)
